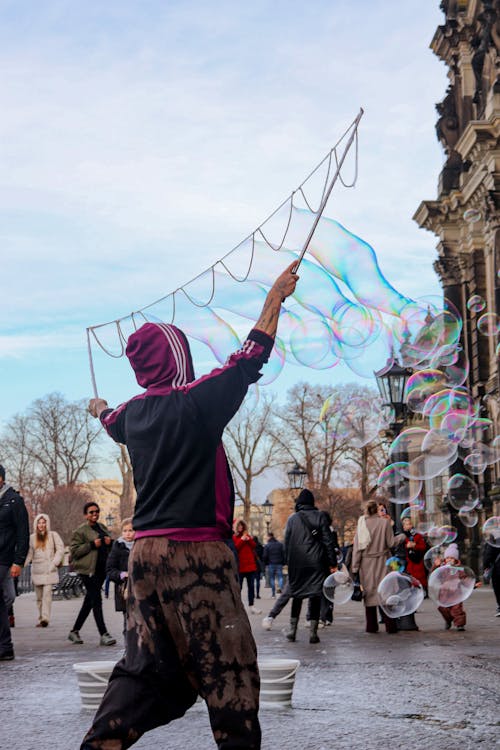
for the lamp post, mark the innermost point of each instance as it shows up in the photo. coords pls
(110, 519)
(391, 383)
(268, 513)
(296, 477)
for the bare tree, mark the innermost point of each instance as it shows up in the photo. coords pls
(127, 492)
(64, 505)
(22, 471)
(344, 506)
(251, 448)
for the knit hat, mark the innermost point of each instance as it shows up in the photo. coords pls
(306, 497)
(451, 551)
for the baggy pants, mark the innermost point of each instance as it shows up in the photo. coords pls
(44, 601)
(455, 614)
(187, 635)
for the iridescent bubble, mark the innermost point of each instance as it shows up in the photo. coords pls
(439, 535)
(474, 463)
(491, 531)
(423, 527)
(462, 491)
(399, 594)
(275, 363)
(433, 556)
(472, 215)
(311, 342)
(451, 584)
(489, 324)
(421, 385)
(476, 303)
(338, 587)
(398, 488)
(357, 422)
(468, 517)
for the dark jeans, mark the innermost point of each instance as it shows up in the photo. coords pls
(275, 571)
(92, 602)
(5, 639)
(281, 602)
(390, 623)
(250, 578)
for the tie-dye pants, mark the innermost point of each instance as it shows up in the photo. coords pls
(187, 635)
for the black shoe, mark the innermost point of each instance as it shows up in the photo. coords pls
(7, 655)
(447, 626)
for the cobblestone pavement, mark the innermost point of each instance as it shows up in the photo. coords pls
(433, 688)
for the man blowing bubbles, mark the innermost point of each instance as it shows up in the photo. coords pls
(187, 630)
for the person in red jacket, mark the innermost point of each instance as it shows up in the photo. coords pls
(415, 547)
(247, 561)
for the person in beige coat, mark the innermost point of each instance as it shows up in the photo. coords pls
(45, 554)
(372, 547)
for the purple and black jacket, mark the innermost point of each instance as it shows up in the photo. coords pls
(173, 432)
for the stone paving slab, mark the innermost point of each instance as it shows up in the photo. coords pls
(353, 690)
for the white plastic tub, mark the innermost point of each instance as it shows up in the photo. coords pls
(93, 677)
(277, 678)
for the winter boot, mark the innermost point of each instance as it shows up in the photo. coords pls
(313, 632)
(290, 635)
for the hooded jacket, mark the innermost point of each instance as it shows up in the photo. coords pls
(45, 560)
(309, 556)
(14, 527)
(173, 432)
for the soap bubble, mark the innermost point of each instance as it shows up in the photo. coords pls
(398, 488)
(451, 584)
(358, 422)
(491, 531)
(399, 594)
(468, 517)
(472, 215)
(433, 554)
(462, 491)
(439, 535)
(421, 385)
(476, 303)
(338, 587)
(489, 324)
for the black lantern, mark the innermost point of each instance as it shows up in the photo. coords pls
(391, 382)
(110, 519)
(268, 513)
(296, 477)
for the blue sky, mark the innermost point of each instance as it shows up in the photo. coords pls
(139, 142)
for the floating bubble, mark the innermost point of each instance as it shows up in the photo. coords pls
(469, 518)
(421, 385)
(462, 491)
(489, 324)
(440, 535)
(472, 215)
(476, 303)
(398, 488)
(399, 594)
(338, 587)
(275, 363)
(491, 531)
(423, 527)
(451, 584)
(357, 422)
(433, 556)
(311, 342)
(474, 463)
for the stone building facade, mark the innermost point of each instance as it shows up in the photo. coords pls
(465, 216)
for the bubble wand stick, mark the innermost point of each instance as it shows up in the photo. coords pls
(323, 203)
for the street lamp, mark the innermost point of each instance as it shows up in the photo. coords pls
(296, 477)
(110, 519)
(268, 513)
(391, 382)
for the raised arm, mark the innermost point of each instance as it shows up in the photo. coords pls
(282, 288)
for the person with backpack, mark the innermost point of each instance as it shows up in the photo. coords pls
(310, 556)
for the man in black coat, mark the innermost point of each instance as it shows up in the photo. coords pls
(14, 544)
(310, 555)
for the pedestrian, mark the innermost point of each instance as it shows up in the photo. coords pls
(90, 545)
(278, 606)
(247, 563)
(310, 556)
(454, 614)
(415, 547)
(187, 631)
(274, 558)
(46, 552)
(373, 541)
(14, 543)
(259, 549)
(117, 566)
(491, 567)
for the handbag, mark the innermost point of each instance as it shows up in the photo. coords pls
(357, 594)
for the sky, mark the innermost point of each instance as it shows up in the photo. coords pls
(139, 142)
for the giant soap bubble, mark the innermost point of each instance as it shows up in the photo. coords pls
(400, 594)
(491, 531)
(451, 584)
(338, 586)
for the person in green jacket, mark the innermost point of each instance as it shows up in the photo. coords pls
(90, 545)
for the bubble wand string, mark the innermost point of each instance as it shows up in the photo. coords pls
(329, 189)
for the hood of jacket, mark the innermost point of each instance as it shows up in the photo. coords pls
(36, 519)
(160, 356)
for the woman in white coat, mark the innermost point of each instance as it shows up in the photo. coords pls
(45, 554)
